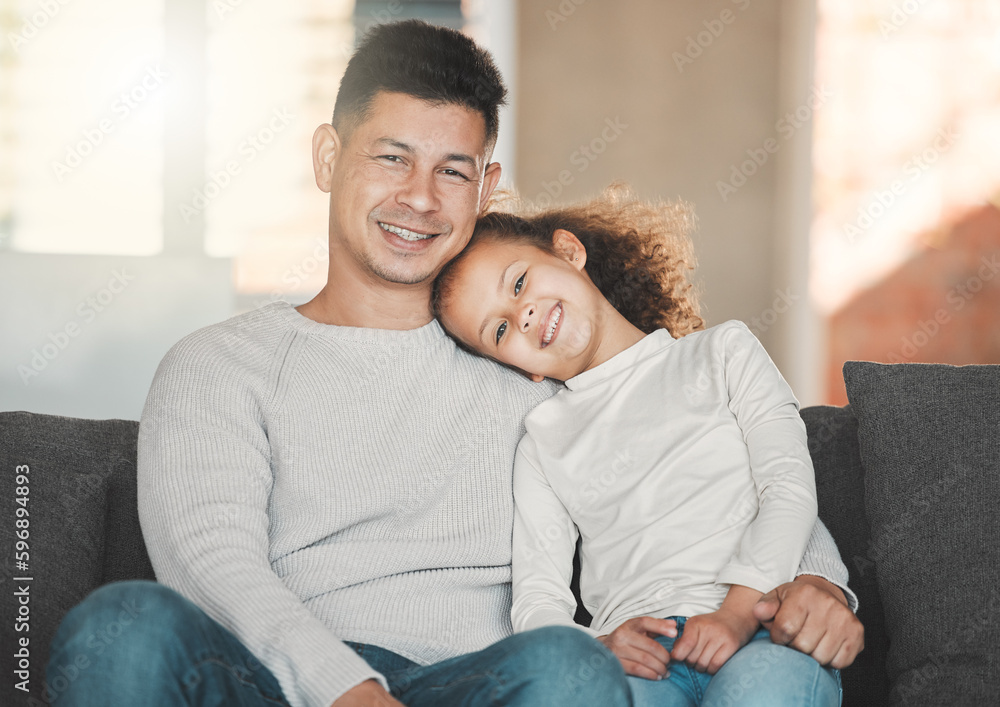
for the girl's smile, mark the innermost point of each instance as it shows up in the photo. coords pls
(551, 325)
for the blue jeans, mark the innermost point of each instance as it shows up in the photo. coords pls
(140, 643)
(760, 674)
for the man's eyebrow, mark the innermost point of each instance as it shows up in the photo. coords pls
(395, 143)
(503, 276)
(459, 157)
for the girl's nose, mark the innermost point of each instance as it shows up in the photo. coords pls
(527, 314)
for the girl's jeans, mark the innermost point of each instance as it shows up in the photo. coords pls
(760, 674)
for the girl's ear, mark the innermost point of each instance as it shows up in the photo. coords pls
(568, 246)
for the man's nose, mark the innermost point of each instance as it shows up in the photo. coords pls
(418, 192)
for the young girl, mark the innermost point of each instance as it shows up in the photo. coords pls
(676, 456)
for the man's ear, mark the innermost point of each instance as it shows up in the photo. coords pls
(325, 150)
(569, 247)
(491, 177)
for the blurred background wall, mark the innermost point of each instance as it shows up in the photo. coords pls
(842, 159)
(674, 98)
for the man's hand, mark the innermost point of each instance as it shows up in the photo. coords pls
(368, 694)
(710, 640)
(810, 614)
(639, 654)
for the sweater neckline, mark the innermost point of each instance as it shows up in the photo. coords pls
(422, 335)
(622, 361)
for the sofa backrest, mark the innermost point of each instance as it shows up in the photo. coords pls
(833, 445)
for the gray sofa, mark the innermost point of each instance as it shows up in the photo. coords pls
(907, 477)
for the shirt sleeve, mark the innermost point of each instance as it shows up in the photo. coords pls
(768, 415)
(204, 480)
(544, 542)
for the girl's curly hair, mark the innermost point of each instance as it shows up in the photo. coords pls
(639, 253)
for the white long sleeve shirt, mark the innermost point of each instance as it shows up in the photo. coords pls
(683, 465)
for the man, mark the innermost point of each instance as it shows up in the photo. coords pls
(329, 487)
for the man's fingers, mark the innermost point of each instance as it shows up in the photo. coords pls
(766, 607)
(838, 649)
(808, 635)
(849, 650)
(822, 646)
(788, 622)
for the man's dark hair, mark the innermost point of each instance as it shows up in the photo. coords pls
(435, 64)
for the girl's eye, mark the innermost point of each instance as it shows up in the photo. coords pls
(500, 330)
(517, 285)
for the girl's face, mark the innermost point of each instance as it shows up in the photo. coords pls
(527, 308)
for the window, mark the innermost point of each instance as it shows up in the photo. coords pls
(82, 91)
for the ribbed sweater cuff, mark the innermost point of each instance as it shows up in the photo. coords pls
(337, 669)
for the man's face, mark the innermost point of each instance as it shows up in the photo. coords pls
(406, 187)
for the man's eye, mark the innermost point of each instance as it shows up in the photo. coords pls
(519, 283)
(392, 158)
(500, 330)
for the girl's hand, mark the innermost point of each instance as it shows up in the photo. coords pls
(633, 644)
(710, 640)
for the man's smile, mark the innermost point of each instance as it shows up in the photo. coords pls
(405, 233)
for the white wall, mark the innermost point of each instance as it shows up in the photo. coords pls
(82, 335)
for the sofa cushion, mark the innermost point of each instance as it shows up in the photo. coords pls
(930, 445)
(840, 490)
(81, 517)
